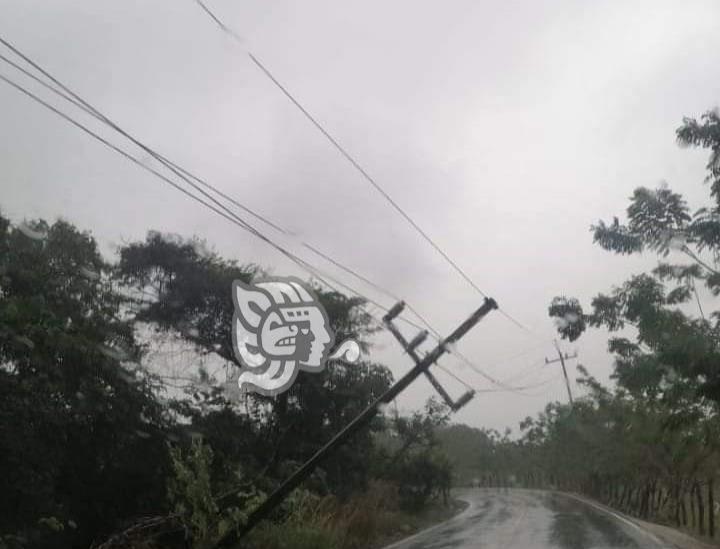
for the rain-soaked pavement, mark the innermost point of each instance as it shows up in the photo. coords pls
(530, 519)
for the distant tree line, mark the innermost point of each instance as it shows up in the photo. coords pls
(650, 445)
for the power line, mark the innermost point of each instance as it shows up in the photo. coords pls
(364, 173)
(227, 214)
(314, 121)
(510, 358)
(184, 174)
(232, 218)
(79, 102)
(212, 16)
(510, 389)
(223, 210)
(535, 386)
(540, 384)
(502, 385)
(524, 373)
(480, 372)
(84, 105)
(456, 377)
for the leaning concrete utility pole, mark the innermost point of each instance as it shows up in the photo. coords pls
(410, 349)
(360, 421)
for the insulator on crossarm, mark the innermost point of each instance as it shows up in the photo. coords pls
(463, 400)
(417, 340)
(394, 311)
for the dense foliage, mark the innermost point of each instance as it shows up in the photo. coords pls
(650, 444)
(111, 436)
(74, 411)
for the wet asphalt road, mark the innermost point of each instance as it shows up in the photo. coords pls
(530, 519)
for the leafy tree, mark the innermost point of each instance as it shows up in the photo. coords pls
(651, 441)
(670, 341)
(189, 296)
(191, 492)
(648, 445)
(75, 411)
(414, 458)
(101, 444)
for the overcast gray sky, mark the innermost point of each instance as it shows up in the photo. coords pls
(504, 127)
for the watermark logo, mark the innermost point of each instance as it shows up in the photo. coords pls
(279, 328)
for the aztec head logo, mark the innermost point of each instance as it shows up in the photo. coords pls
(279, 328)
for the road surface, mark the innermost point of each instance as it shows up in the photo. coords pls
(530, 519)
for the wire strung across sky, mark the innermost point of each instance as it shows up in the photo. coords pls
(517, 389)
(195, 182)
(344, 152)
(79, 102)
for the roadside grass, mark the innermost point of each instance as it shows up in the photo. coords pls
(370, 520)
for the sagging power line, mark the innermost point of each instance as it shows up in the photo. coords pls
(196, 183)
(355, 163)
(72, 97)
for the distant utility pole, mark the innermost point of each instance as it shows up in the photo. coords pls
(561, 359)
(263, 510)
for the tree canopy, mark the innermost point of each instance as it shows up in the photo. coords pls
(107, 445)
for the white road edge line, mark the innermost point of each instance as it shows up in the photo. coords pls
(621, 518)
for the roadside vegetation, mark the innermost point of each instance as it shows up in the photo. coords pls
(649, 445)
(119, 425)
